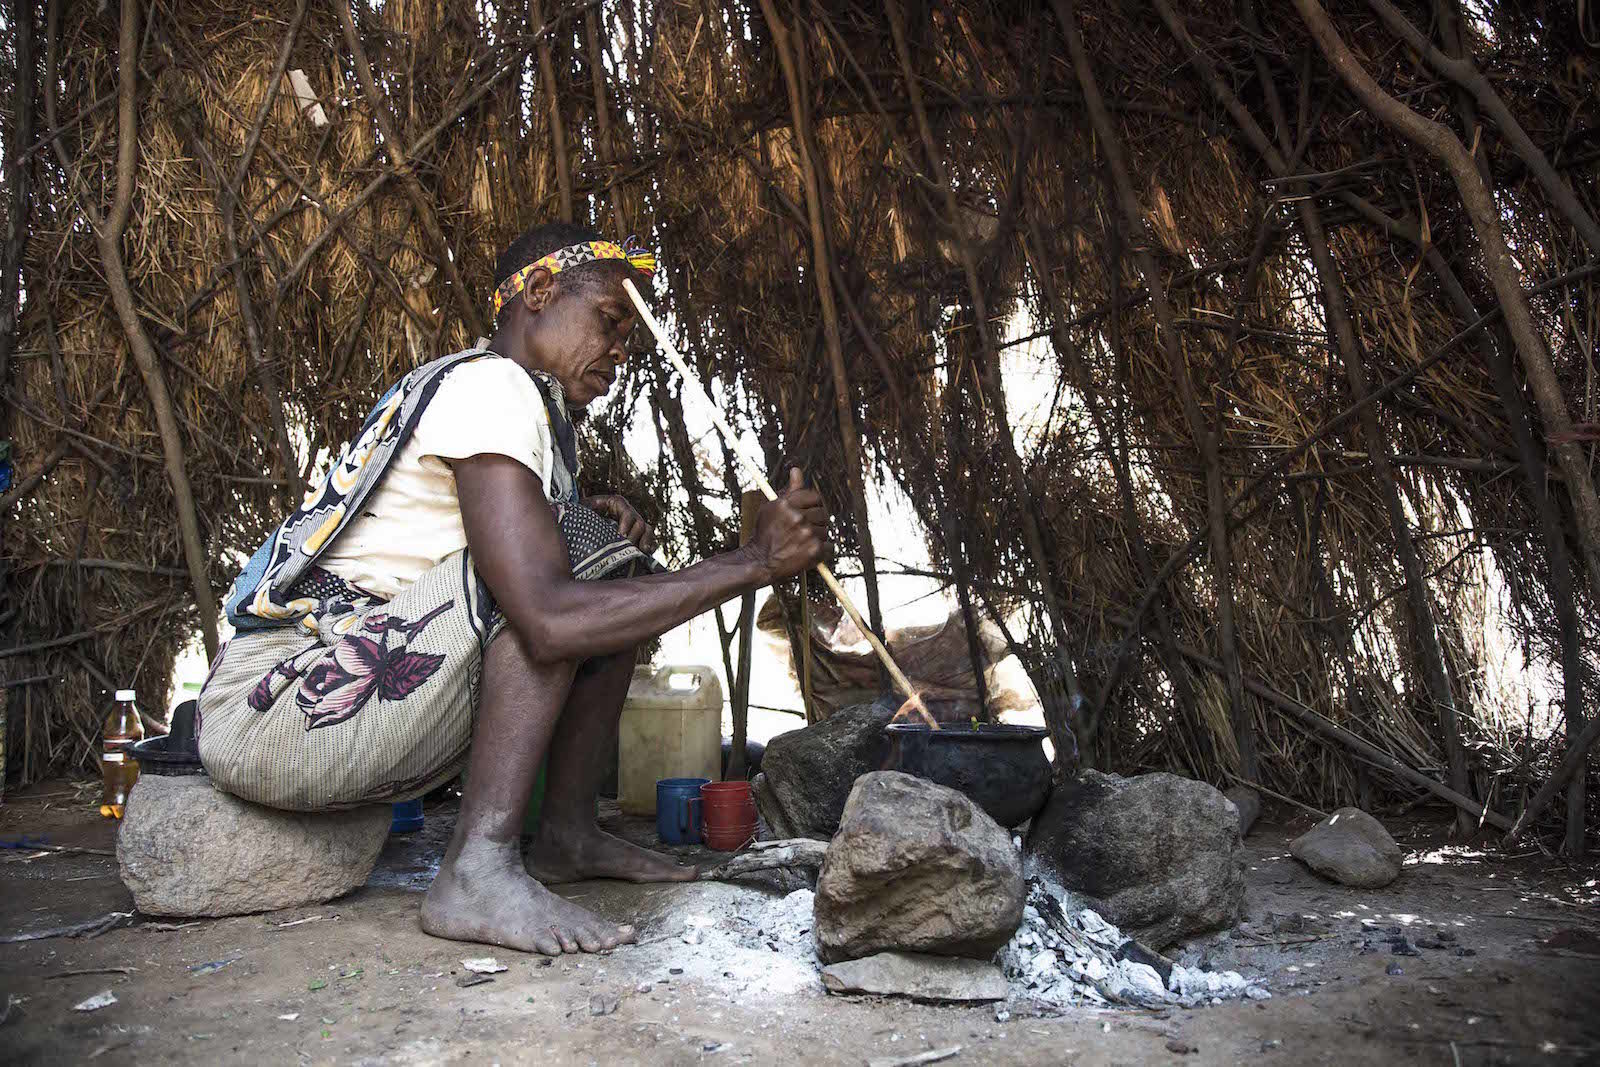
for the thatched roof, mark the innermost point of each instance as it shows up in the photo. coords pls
(1198, 164)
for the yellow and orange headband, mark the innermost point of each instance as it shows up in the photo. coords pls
(571, 256)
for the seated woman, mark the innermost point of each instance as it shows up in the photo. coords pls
(434, 604)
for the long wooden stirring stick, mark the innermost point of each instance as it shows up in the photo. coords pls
(753, 469)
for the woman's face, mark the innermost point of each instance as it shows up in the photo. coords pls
(579, 334)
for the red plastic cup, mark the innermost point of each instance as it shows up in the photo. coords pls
(728, 815)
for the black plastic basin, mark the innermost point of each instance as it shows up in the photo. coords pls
(1002, 768)
(176, 753)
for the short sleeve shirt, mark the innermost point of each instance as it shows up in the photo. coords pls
(412, 520)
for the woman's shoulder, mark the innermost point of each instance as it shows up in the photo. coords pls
(491, 369)
(491, 380)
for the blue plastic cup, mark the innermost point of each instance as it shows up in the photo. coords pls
(407, 817)
(678, 810)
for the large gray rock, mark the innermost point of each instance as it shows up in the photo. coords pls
(806, 775)
(919, 867)
(1248, 801)
(1350, 847)
(919, 976)
(1157, 854)
(187, 848)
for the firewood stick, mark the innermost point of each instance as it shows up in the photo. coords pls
(770, 855)
(757, 475)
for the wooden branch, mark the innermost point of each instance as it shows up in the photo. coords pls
(1275, 470)
(768, 856)
(470, 311)
(116, 220)
(481, 89)
(21, 189)
(274, 83)
(602, 116)
(1366, 750)
(1505, 385)
(558, 129)
(810, 166)
(24, 486)
(1341, 330)
(1531, 461)
(108, 232)
(1572, 763)
(54, 457)
(43, 646)
(1504, 276)
(1034, 250)
(1454, 292)
(32, 679)
(1464, 73)
(1033, 538)
(920, 457)
(127, 566)
(255, 342)
(16, 157)
(481, 85)
(1206, 441)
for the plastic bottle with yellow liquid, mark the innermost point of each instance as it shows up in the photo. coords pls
(118, 769)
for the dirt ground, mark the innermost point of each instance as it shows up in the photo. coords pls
(1515, 979)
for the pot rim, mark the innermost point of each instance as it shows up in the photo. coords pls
(987, 732)
(155, 758)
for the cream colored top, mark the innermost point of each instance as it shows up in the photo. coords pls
(412, 520)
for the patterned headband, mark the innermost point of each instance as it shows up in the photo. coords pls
(566, 258)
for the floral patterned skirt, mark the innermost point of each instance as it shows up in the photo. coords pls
(363, 701)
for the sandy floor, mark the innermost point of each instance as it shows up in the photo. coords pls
(360, 982)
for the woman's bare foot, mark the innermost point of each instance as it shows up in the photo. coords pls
(571, 853)
(484, 895)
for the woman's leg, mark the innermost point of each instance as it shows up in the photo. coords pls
(570, 846)
(482, 892)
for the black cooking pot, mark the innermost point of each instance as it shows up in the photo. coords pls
(172, 754)
(1002, 768)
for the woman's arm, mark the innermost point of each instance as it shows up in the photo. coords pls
(518, 551)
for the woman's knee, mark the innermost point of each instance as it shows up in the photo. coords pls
(508, 655)
(616, 663)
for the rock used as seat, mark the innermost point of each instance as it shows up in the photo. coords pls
(806, 775)
(1352, 848)
(1156, 854)
(916, 867)
(188, 849)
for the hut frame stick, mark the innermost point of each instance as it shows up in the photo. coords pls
(757, 475)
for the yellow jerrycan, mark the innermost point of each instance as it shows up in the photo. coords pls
(671, 727)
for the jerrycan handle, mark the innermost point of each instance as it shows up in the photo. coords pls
(666, 676)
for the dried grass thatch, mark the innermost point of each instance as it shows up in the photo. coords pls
(1261, 300)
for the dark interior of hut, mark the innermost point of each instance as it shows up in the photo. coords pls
(1232, 366)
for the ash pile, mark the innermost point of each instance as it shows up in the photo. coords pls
(1065, 954)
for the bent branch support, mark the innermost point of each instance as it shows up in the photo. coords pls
(442, 253)
(1504, 275)
(1205, 439)
(1053, 299)
(108, 237)
(849, 438)
(1057, 718)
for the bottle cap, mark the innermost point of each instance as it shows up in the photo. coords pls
(127, 694)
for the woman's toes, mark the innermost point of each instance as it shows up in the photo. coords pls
(547, 945)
